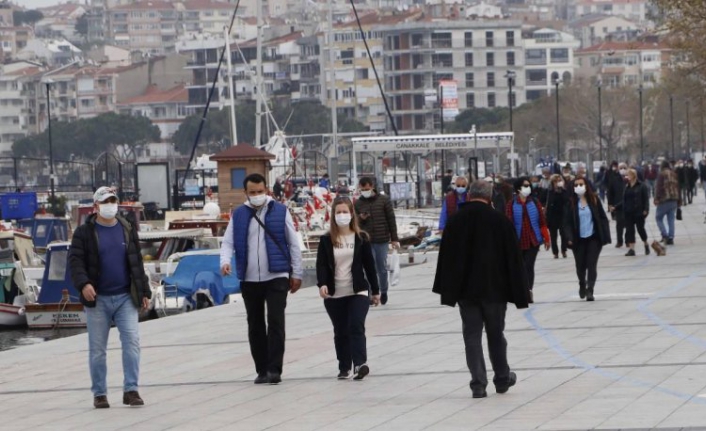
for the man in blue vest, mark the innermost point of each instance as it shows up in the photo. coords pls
(268, 262)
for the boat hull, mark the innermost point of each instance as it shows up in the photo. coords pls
(12, 315)
(57, 315)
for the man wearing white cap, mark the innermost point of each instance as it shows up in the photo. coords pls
(107, 270)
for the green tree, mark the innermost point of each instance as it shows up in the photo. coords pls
(29, 17)
(216, 128)
(81, 27)
(87, 138)
(485, 120)
(350, 125)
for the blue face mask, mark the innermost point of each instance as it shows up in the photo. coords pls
(460, 190)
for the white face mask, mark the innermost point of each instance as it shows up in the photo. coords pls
(343, 219)
(257, 200)
(560, 184)
(366, 193)
(526, 191)
(108, 211)
(580, 190)
(623, 172)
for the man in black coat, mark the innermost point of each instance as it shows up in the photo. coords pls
(615, 180)
(480, 268)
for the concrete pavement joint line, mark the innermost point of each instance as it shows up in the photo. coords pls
(644, 309)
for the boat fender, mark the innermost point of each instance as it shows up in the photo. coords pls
(21, 311)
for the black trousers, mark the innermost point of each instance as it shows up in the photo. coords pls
(586, 253)
(619, 217)
(266, 341)
(529, 257)
(633, 221)
(554, 233)
(474, 316)
(348, 317)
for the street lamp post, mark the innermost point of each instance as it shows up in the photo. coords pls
(558, 136)
(642, 140)
(48, 83)
(671, 123)
(600, 122)
(688, 131)
(510, 75)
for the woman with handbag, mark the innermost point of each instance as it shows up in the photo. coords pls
(586, 227)
(636, 206)
(345, 271)
(526, 213)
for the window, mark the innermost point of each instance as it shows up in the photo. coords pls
(631, 60)
(510, 38)
(536, 77)
(536, 57)
(490, 59)
(441, 40)
(442, 60)
(469, 80)
(488, 38)
(491, 79)
(468, 39)
(470, 100)
(361, 73)
(491, 100)
(559, 55)
(469, 59)
(237, 176)
(510, 58)
(417, 40)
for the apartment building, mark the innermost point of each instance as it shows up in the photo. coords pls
(53, 52)
(75, 92)
(306, 70)
(634, 10)
(619, 64)
(549, 56)
(356, 90)
(476, 55)
(165, 108)
(13, 119)
(596, 28)
(208, 16)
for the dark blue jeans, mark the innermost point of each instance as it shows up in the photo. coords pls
(380, 256)
(348, 315)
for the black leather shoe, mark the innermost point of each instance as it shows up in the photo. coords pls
(478, 392)
(582, 291)
(383, 299)
(630, 252)
(261, 379)
(132, 399)
(274, 378)
(511, 380)
(589, 295)
(101, 402)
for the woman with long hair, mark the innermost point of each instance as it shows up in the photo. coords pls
(346, 275)
(527, 215)
(586, 228)
(557, 196)
(636, 207)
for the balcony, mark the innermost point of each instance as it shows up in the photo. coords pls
(96, 90)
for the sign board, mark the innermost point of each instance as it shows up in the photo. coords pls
(153, 183)
(448, 94)
(191, 187)
(513, 156)
(430, 96)
(481, 170)
(400, 191)
(436, 190)
(425, 143)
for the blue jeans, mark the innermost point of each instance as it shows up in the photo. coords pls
(668, 209)
(380, 256)
(122, 311)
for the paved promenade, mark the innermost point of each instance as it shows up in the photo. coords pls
(634, 359)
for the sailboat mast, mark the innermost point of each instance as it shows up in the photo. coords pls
(258, 79)
(231, 89)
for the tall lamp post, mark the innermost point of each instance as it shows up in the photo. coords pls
(688, 131)
(671, 123)
(600, 121)
(510, 75)
(48, 83)
(642, 139)
(558, 136)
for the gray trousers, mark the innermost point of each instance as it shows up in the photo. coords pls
(475, 315)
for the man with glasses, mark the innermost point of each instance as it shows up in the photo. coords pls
(107, 270)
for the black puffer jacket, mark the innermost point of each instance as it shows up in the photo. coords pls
(636, 200)
(555, 206)
(85, 264)
(380, 223)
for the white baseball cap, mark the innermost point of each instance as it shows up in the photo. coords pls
(104, 193)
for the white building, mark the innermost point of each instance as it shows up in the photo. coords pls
(549, 55)
(635, 10)
(13, 109)
(52, 51)
(593, 29)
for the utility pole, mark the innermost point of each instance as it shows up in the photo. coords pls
(688, 131)
(600, 123)
(558, 136)
(671, 123)
(642, 138)
(510, 75)
(231, 89)
(48, 83)
(332, 82)
(259, 97)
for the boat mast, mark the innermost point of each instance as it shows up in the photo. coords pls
(258, 79)
(231, 89)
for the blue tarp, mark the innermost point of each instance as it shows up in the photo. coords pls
(189, 266)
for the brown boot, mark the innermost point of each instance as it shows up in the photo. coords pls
(132, 399)
(101, 402)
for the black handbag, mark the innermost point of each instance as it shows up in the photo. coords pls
(678, 213)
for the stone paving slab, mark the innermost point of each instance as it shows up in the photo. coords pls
(634, 359)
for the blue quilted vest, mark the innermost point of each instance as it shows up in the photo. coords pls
(533, 214)
(275, 222)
